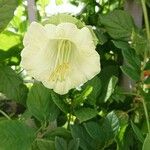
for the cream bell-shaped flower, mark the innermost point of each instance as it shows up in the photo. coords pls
(61, 56)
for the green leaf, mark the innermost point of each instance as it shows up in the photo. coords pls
(40, 104)
(104, 132)
(60, 144)
(118, 95)
(59, 131)
(12, 85)
(54, 111)
(86, 142)
(82, 97)
(129, 54)
(42, 144)
(123, 124)
(84, 114)
(96, 132)
(11, 56)
(121, 44)
(9, 39)
(95, 85)
(126, 140)
(111, 86)
(113, 121)
(15, 135)
(105, 78)
(131, 73)
(59, 102)
(119, 24)
(137, 132)
(131, 59)
(146, 144)
(140, 43)
(7, 8)
(74, 144)
(102, 38)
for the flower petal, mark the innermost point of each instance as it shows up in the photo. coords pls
(51, 31)
(59, 87)
(67, 30)
(85, 66)
(35, 34)
(84, 40)
(39, 64)
(62, 31)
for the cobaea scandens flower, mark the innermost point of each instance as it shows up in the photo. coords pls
(61, 56)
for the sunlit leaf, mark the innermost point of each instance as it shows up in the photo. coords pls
(111, 85)
(9, 39)
(7, 8)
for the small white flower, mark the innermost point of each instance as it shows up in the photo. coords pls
(61, 56)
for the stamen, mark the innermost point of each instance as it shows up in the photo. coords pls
(61, 67)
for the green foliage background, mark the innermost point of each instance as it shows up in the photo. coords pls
(102, 115)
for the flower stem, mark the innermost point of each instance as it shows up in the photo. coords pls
(4, 114)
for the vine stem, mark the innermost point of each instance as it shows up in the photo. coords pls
(4, 114)
(145, 58)
(146, 19)
(147, 29)
(146, 114)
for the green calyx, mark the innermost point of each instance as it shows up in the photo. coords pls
(62, 18)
